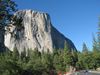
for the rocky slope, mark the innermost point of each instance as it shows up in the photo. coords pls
(34, 31)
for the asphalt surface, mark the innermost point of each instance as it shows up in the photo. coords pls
(87, 73)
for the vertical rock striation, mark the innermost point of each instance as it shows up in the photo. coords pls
(34, 31)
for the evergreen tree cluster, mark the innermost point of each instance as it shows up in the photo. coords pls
(35, 63)
(90, 59)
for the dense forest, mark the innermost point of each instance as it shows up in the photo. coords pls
(35, 63)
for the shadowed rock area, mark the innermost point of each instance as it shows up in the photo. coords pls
(2, 32)
(33, 30)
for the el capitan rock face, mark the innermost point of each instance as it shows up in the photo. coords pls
(35, 31)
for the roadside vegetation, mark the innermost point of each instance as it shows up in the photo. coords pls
(36, 63)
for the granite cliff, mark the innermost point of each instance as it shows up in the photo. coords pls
(34, 31)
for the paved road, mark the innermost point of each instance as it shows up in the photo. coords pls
(88, 73)
(94, 73)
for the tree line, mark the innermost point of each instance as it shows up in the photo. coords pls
(90, 59)
(36, 63)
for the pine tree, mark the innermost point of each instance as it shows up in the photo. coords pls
(95, 45)
(67, 56)
(98, 36)
(15, 54)
(7, 7)
(75, 57)
(70, 57)
(85, 49)
(23, 56)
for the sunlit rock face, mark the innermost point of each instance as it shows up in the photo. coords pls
(34, 31)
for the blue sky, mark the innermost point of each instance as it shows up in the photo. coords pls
(76, 19)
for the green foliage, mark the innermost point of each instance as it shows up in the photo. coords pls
(7, 65)
(45, 63)
(33, 62)
(95, 45)
(70, 57)
(85, 49)
(7, 7)
(15, 54)
(89, 59)
(98, 36)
